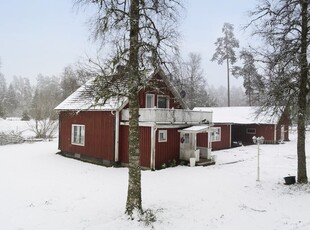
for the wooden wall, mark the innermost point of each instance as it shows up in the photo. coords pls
(99, 133)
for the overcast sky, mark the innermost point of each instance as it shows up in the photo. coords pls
(44, 36)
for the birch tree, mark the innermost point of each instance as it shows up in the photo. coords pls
(225, 52)
(284, 27)
(139, 34)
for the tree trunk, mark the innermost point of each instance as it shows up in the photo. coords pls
(134, 175)
(228, 84)
(302, 102)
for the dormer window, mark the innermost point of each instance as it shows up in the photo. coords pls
(149, 101)
(162, 101)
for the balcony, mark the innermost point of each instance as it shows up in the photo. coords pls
(171, 116)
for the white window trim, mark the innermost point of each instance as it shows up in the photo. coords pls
(248, 131)
(164, 132)
(168, 100)
(219, 136)
(153, 100)
(72, 135)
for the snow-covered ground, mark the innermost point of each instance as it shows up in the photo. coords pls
(17, 126)
(42, 190)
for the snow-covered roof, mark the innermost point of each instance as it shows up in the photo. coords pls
(83, 99)
(240, 115)
(195, 129)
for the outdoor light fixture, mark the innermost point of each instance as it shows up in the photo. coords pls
(258, 140)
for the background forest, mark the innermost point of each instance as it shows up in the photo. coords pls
(21, 98)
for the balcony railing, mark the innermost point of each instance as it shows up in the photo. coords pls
(170, 116)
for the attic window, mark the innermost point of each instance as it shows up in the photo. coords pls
(162, 102)
(78, 135)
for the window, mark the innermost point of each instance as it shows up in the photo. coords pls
(78, 135)
(186, 138)
(162, 102)
(250, 131)
(216, 134)
(162, 136)
(149, 101)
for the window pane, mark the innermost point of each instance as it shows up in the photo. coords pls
(162, 102)
(216, 134)
(78, 134)
(186, 138)
(149, 101)
(162, 136)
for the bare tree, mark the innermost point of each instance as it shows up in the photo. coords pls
(284, 26)
(46, 96)
(138, 33)
(225, 51)
(189, 79)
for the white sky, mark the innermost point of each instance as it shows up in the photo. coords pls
(44, 36)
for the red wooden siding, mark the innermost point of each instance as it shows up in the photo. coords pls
(202, 138)
(145, 145)
(239, 132)
(160, 88)
(99, 133)
(167, 151)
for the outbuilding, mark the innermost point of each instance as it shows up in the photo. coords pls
(238, 125)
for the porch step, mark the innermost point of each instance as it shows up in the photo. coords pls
(205, 162)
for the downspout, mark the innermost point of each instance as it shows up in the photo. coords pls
(116, 144)
(153, 140)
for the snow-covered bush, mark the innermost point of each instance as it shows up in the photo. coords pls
(12, 137)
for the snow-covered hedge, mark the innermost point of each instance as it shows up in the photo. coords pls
(11, 137)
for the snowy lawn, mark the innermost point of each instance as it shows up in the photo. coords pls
(42, 190)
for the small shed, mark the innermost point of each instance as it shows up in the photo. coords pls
(236, 125)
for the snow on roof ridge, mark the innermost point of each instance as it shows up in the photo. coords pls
(82, 98)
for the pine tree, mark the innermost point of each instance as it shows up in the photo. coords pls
(225, 52)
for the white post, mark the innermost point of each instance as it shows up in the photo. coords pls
(116, 144)
(258, 140)
(258, 160)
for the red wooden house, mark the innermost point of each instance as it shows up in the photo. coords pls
(99, 133)
(236, 125)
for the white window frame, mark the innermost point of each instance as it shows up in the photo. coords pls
(216, 134)
(162, 136)
(251, 131)
(152, 100)
(80, 132)
(167, 99)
